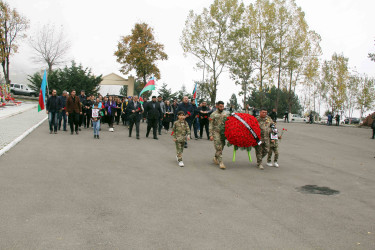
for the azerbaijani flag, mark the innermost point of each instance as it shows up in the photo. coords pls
(149, 86)
(195, 94)
(42, 92)
(141, 100)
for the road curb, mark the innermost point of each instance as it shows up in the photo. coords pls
(21, 137)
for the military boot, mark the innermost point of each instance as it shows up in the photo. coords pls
(215, 161)
(222, 166)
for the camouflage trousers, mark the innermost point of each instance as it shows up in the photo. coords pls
(219, 147)
(274, 147)
(262, 150)
(180, 149)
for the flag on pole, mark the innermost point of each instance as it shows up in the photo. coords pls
(195, 94)
(149, 86)
(42, 92)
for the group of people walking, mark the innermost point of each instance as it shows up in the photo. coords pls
(85, 111)
(182, 118)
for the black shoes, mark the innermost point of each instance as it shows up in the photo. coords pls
(77, 132)
(137, 137)
(155, 138)
(71, 132)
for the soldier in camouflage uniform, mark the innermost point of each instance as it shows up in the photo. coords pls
(181, 133)
(265, 128)
(217, 119)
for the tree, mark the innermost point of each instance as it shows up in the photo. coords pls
(166, 93)
(202, 92)
(50, 46)
(263, 19)
(270, 95)
(311, 82)
(68, 78)
(182, 92)
(205, 36)
(242, 53)
(124, 90)
(283, 23)
(352, 93)
(140, 52)
(371, 56)
(335, 80)
(233, 103)
(366, 94)
(12, 28)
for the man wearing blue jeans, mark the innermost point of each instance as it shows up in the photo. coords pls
(62, 114)
(52, 107)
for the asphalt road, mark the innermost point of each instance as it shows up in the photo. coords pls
(75, 192)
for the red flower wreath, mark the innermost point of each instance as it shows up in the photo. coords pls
(237, 134)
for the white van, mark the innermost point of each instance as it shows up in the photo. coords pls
(22, 89)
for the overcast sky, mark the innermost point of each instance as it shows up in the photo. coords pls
(94, 28)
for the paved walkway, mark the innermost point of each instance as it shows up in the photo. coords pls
(75, 192)
(16, 123)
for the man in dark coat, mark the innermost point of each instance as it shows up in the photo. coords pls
(52, 108)
(273, 115)
(154, 113)
(204, 115)
(188, 110)
(195, 119)
(73, 110)
(62, 114)
(135, 110)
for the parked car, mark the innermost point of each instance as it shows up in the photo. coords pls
(297, 118)
(353, 120)
(22, 89)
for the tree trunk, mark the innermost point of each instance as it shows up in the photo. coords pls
(50, 68)
(244, 94)
(7, 70)
(278, 84)
(290, 93)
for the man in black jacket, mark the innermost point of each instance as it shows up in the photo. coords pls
(204, 115)
(273, 115)
(135, 110)
(52, 108)
(86, 109)
(62, 114)
(82, 98)
(153, 111)
(195, 119)
(188, 110)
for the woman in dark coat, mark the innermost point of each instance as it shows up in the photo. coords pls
(110, 107)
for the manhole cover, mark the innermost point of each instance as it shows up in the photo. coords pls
(314, 189)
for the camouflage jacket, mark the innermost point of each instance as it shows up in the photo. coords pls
(265, 126)
(180, 130)
(217, 119)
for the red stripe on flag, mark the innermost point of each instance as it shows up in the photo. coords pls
(41, 102)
